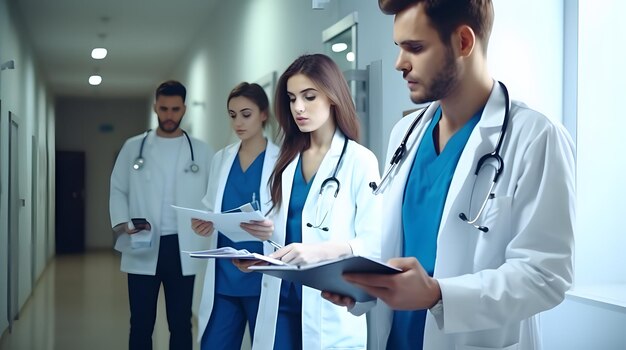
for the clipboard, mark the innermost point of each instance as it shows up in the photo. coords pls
(327, 275)
(232, 253)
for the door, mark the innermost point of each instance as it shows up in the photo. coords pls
(34, 200)
(70, 202)
(15, 205)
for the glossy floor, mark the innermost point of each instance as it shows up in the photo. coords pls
(80, 302)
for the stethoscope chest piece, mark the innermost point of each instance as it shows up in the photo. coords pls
(194, 168)
(139, 161)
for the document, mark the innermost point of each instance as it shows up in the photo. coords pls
(227, 223)
(327, 275)
(232, 253)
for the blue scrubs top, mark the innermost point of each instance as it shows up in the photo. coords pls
(299, 191)
(241, 188)
(424, 198)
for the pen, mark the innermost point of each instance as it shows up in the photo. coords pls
(274, 244)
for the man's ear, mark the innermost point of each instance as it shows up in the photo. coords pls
(464, 40)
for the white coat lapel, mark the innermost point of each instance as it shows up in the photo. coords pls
(271, 155)
(402, 173)
(229, 157)
(287, 184)
(482, 141)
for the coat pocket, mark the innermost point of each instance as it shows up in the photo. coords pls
(491, 245)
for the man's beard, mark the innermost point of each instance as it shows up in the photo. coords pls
(442, 83)
(169, 130)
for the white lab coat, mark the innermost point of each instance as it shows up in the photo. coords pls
(139, 193)
(355, 219)
(220, 168)
(494, 284)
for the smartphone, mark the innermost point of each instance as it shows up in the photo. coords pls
(140, 223)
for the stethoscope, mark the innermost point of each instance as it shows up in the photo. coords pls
(140, 161)
(329, 182)
(492, 156)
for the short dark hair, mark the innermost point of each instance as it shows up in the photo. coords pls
(171, 88)
(447, 15)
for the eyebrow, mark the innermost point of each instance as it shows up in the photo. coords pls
(303, 91)
(409, 42)
(241, 110)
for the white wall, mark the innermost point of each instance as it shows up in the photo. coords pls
(78, 129)
(245, 41)
(23, 91)
(601, 147)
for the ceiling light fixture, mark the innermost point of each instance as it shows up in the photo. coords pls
(350, 56)
(95, 80)
(338, 47)
(99, 53)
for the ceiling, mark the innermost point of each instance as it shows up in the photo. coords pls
(144, 39)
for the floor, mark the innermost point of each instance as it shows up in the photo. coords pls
(80, 302)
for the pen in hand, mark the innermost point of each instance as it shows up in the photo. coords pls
(274, 244)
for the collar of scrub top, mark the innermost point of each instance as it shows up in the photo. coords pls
(140, 160)
(332, 179)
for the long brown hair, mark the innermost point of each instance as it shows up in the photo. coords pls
(328, 78)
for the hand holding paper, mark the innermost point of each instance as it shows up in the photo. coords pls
(202, 227)
(260, 229)
(228, 223)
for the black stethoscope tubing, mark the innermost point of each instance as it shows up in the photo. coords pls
(139, 161)
(329, 180)
(495, 154)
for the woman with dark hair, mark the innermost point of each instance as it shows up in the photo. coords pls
(239, 175)
(322, 207)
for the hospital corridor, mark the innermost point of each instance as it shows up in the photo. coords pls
(80, 302)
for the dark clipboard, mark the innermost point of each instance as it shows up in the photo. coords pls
(327, 275)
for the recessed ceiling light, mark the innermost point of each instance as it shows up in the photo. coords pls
(338, 47)
(99, 53)
(95, 80)
(350, 56)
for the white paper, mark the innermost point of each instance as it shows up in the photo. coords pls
(232, 253)
(141, 239)
(226, 223)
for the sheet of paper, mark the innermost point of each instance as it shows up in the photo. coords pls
(232, 253)
(128, 243)
(226, 223)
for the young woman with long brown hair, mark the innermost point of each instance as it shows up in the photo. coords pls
(322, 209)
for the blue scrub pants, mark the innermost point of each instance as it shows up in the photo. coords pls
(407, 330)
(143, 292)
(289, 322)
(228, 322)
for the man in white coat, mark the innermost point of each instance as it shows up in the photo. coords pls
(153, 171)
(479, 197)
